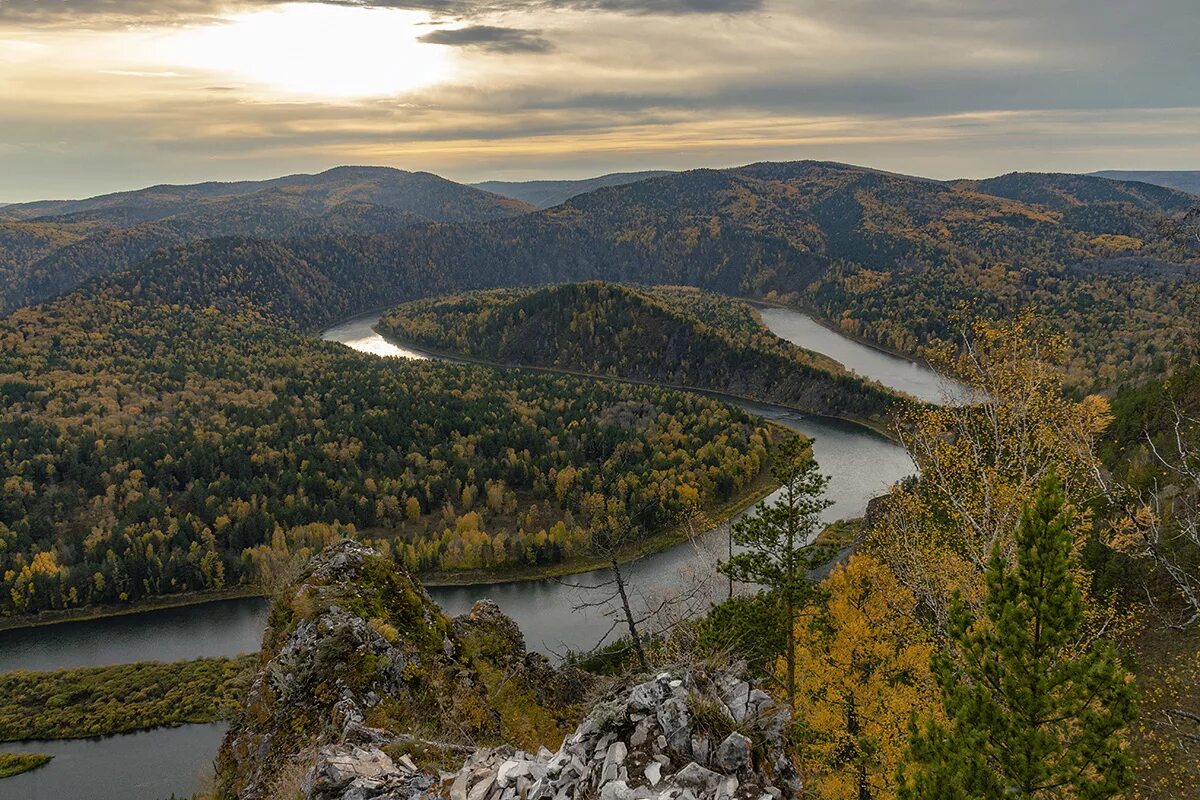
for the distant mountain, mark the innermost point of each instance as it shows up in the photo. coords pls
(420, 193)
(49, 247)
(1066, 190)
(885, 257)
(1089, 204)
(546, 194)
(1186, 180)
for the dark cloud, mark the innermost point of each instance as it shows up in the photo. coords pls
(665, 6)
(62, 13)
(490, 37)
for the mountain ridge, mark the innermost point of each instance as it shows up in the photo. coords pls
(176, 196)
(42, 255)
(856, 245)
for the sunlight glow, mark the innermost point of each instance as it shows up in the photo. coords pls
(315, 50)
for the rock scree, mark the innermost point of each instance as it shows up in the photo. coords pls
(684, 735)
(366, 691)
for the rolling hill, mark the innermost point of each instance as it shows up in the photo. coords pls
(671, 335)
(1185, 180)
(422, 194)
(888, 258)
(49, 247)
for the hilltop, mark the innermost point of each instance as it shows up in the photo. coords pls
(1185, 180)
(423, 194)
(666, 335)
(367, 690)
(52, 246)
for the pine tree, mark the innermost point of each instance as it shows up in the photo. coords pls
(775, 539)
(1032, 714)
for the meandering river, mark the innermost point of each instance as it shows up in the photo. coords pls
(892, 371)
(151, 765)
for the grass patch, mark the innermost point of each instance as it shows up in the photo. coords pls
(99, 701)
(15, 763)
(842, 533)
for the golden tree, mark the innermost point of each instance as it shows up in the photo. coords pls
(864, 663)
(982, 455)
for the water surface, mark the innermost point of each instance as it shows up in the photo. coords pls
(152, 765)
(861, 464)
(218, 628)
(892, 371)
(358, 333)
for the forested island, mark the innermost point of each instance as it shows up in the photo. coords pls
(670, 335)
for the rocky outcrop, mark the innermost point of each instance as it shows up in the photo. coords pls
(367, 692)
(354, 653)
(360, 664)
(354, 773)
(681, 736)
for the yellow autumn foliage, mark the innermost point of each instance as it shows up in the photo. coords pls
(982, 457)
(864, 662)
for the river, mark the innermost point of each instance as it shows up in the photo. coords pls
(892, 371)
(151, 765)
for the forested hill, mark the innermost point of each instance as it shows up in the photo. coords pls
(420, 193)
(885, 257)
(50, 247)
(667, 335)
(149, 449)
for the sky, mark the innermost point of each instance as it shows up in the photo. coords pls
(104, 95)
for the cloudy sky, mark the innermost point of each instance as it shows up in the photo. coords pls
(101, 95)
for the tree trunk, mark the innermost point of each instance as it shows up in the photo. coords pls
(790, 592)
(731, 559)
(629, 620)
(864, 787)
(791, 650)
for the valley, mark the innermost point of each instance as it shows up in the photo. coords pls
(542, 608)
(599, 400)
(173, 425)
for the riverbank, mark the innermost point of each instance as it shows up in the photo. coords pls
(715, 517)
(12, 764)
(158, 603)
(817, 316)
(123, 698)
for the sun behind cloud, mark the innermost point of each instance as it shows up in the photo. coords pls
(312, 50)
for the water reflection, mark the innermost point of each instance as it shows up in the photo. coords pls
(358, 334)
(152, 765)
(220, 628)
(892, 371)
